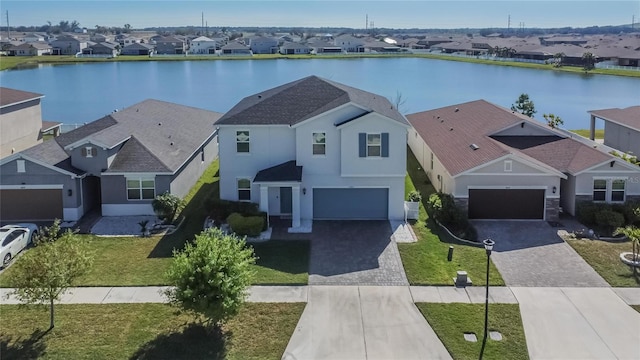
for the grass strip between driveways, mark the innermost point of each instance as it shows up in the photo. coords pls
(451, 321)
(604, 258)
(144, 331)
(425, 262)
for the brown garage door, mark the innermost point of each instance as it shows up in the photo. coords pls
(506, 204)
(30, 204)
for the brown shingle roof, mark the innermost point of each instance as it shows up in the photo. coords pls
(629, 117)
(13, 96)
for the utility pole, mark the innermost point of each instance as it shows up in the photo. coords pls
(633, 21)
(366, 22)
(509, 23)
(8, 27)
(202, 26)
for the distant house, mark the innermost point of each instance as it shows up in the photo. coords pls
(555, 40)
(203, 45)
(322, 47)
(499, 164)
(20, 120)
(118, 163)
(349, 43)
(31, 49)
(35, 37)
(621, 128)
(104, 48)
(263, 45)
(137, 49)
(67, 45)
(98, 38)
(170, 45)
(236, 48)
(291, 48)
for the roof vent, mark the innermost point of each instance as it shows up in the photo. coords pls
(474, 146)
(159, 124)
(259, 96)
(171, 143)
(451, 129)
(457, 110)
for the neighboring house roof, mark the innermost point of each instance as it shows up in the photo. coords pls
(12, 96)
(629, 117)
(234, 45)
(34, 45)
(52, 153)
(297, 101)
(293, 45)
(450, 132)
(50, 125)
(136, 46)
(201, 38)
(285, 172)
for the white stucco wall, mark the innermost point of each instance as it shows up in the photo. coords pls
(584, 181)
(437, 174)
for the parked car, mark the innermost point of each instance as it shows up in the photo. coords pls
(13, 239)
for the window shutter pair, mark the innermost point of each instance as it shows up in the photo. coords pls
(362, 144)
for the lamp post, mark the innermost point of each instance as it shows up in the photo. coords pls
(488, 246)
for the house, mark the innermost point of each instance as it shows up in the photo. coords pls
(314, 149)
(621, 128)
(104, 48)
(35, 37)
(499, 164)
(137, 49)
(118, 163)
(20, 120)
(67, 45)
(263, 45)
(291, 48)
(236, 48)
(349, 43)
(98, 38)
(170, 45)
(203, 45)
(322, 47)
(31, 49)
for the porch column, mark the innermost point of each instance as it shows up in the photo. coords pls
(264, 198)
(295, 206)
(592, 128)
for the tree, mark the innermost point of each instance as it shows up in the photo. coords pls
(633, 233)
(524, 105)
(43, 273)
(558, 58)
(211, 276)
(166, 206)
(588, 61)
(127, 28)
(398, 101)
(553, 121)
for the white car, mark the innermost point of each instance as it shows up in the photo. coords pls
(13, 239)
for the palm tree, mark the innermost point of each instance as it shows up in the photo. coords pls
(589, 61)
(633, 233)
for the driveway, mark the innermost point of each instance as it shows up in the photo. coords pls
(578, 323)
(366, 322)
(354, 253)
(530, 253)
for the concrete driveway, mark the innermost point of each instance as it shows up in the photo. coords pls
(366, 322)
(578, 323)
(530, 253)
(354, 253)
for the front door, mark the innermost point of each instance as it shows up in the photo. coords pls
(285, 200)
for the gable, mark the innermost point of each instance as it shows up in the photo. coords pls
(618, 166)
(516, 165)
(525, 128)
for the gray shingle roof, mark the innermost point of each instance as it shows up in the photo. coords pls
(287, 171)
(629, 117)
(134, 156)
(50, 152)
(11, 96)
(303, 99)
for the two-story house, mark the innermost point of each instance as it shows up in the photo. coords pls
(118, 163)
(67, 45)
(202, 45)
(263, 45)
(314, 149)
(20, 120)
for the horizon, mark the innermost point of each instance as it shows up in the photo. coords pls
(443, 15)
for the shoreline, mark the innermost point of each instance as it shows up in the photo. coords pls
(22, 62)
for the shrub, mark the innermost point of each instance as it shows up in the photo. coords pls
(414, 196)
(166, 206)
(246, 225)
(442, 207)
(609, 219)
(586, 212)
(221, 209)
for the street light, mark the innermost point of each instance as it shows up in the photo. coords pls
(488, 246)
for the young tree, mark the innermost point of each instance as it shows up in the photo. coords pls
(588, 61)
(633, 233)
(166, 206)
(524, 105)
(553, 121)
(211, 276)
(558, 58)
(398, 101)
(43, 273)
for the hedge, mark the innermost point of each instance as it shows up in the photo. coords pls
(246, 225)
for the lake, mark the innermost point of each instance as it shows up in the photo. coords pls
(84, 92)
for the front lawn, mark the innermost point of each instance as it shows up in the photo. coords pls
(452, 321)
(282, 262)
(425, 262)
(604, 258)
(144, 331)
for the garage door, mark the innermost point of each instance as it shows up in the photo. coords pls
(506, 204)
(30, 204)
(369, 204)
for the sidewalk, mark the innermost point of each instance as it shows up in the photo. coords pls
(428, 294)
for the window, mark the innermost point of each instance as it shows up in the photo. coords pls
(242, 141)
(617, 190)
(374, 145)
(89, 151)
(244, 190)
(20, 164)
(599, 190)
(508, 165)
(319, 143)
(141, 189)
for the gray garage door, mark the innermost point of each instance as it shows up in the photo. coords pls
(506, 204)
(30, 204)
(369, 204)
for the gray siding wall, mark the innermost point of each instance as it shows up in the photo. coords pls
(93, 165)
(21, 126)
(621, 138)
(39, 175)
(114, 189)
(194, 168)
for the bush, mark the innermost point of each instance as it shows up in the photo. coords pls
(414, 196)
(221, 209)
(609, 219)
(166, 206)
(442, 207)
(246, 225)
(586, 212)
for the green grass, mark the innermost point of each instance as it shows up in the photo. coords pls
(282, 262)
(425, 262)
(604, 258)
(451, 321)
(599, 134)
(9, 62)
(144, 331)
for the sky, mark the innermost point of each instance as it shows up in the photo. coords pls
(323, 13)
